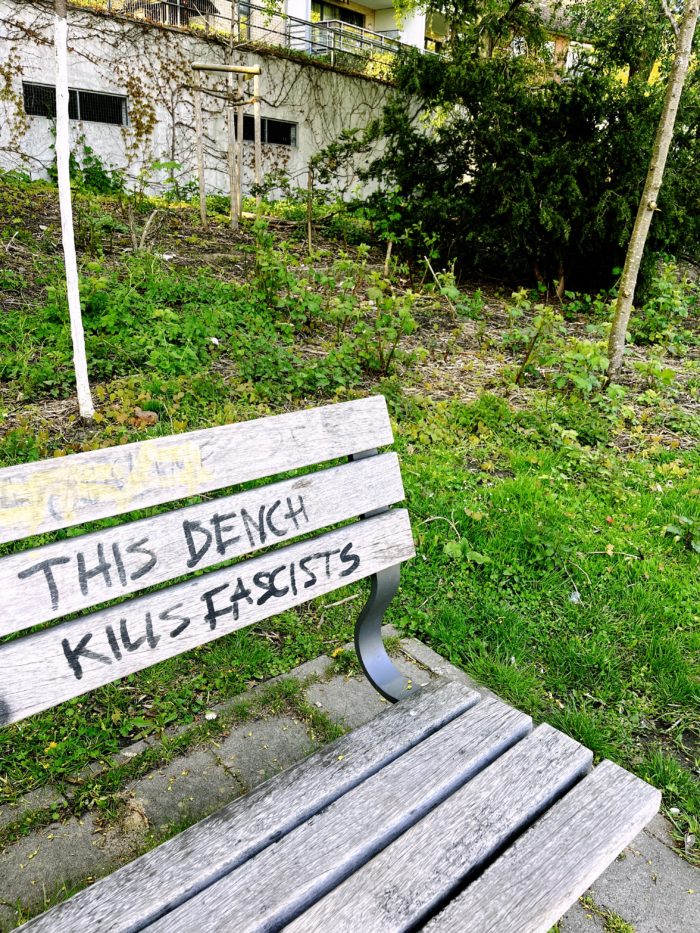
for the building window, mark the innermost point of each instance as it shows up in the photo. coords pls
(322, 12)
(278, 132)
(40, 101)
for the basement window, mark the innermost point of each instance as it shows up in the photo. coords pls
(91, 106)
(279, 132)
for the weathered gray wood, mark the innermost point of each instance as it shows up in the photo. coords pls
(178, 869)
(80, 572)
(398, 888)
(51, 494)
(41, 670)
(543, 873)
(279, 882)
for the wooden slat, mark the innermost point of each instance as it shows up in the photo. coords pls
(276, 885)
(41, 670)
(175, 871)
(397, 889)
(80, 572)
(536, 881)
(51, 494)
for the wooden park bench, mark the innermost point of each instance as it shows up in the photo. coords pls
(447, 811)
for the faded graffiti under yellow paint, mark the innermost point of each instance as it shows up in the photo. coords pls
(63, 493)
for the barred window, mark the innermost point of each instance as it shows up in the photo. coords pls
(271, 131)
(40, 101)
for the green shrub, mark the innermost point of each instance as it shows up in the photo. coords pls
(525, 177)
(669, 301)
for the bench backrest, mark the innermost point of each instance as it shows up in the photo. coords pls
(79, 572)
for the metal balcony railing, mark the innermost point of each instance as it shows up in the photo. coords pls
(246, 24)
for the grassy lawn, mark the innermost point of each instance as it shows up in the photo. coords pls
(555, 530)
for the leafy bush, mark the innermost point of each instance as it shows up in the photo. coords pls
(89, 173)
(537, 333)
(520, 176)
(145, 316)
(670, 300)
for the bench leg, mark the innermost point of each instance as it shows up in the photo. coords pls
(375, 661)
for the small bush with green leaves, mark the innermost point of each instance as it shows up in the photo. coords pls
(670, 300)
(523, 176)
(567, 363)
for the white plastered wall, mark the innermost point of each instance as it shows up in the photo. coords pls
(413, 29)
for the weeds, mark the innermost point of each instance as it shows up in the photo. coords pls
(670, 301)
(570, 364)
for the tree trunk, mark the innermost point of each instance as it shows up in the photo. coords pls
(257, 135)
(647, 205)
(85, 405)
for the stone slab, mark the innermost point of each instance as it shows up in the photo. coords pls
(63, 855)
(129, 752)
(352, 701)
(318, 667)
(189, 788)
(43, 798)
(256, 750)
(649, 886)
(437, 665)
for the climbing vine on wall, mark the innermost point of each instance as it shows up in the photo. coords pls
(151, 63)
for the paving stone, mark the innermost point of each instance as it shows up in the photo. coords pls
(352, 700)
(648, 886)
(346, 700)
(40, 799)
(318, 667)
(75, 782)
(579, 920)
(258, 749)
(190, 787)
(437, 665)
(42, 863)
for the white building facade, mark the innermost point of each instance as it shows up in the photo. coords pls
(131, 92)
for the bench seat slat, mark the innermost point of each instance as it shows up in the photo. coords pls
(535, 882)
(186, 540)
(182, 866)
(281, 881)
(398, 888)
(71, 658)
(51, 494)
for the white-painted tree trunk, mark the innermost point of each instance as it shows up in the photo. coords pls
(87, 409)
(257, 134)
(647, 205)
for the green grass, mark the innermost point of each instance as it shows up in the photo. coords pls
(545, 564)
(578, 608)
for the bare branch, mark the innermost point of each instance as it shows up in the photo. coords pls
(670, 17)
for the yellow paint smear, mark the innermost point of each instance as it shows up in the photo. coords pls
(65, 493)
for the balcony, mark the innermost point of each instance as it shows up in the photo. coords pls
(247, 25)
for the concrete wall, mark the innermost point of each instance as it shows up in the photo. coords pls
(301, 9)
(150, 64)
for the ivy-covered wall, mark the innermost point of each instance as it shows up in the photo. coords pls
(150, 64)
